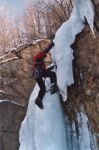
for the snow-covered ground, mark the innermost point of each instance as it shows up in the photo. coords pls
(46, 129)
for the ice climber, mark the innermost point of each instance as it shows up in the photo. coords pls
(40, 71)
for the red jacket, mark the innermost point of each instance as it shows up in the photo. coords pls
(39, 60)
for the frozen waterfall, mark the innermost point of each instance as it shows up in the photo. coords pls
(46, 129)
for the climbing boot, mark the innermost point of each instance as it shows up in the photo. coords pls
(39, 103)
(54, 88)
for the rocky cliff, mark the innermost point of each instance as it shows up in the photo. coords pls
(83, 96)
(16, 85)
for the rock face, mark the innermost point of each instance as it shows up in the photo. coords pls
(85, 91)
(16, 81)
(11, 116)
(16, 85)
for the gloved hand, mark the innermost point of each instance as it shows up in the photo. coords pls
(52, 44)
(49, 47)
(51, 68)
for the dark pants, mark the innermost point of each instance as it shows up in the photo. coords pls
(41, 83)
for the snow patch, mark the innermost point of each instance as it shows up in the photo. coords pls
(2, 92)
(1, 101)
(7, 60)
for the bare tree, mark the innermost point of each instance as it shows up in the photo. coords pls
(31, 22)
(4, 31)
(44, 17)
(9, 32)
(16, 32)
(56, 13)
(40, 19)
